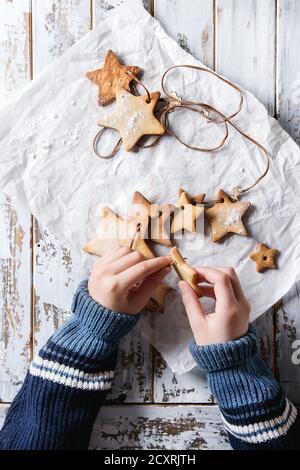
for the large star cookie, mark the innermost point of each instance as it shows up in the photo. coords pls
(159, 214)
(133, 117)
(226, 217)
(264, 257)
(110, 76)
(187, 212)
(115, 231)
(185, 271)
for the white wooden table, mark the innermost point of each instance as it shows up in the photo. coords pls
(254, 43)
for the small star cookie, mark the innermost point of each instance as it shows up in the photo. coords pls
(112, 74)
(115, 231)
(133, 117)
(158, 299)
(226, 217)
(264, 257)
(184, 270)
(187, 212)
(159, 214)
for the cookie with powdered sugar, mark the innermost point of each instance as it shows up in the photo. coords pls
(226, 217)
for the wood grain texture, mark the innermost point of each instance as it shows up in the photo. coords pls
(266, 333)
(245, 51)
(245, 48)
(288, 343)
(55, 274)
(133, 375)
(288, 97)
(288, 110)
(159, 427)
(170, 387)
(57, 25)
(15, 220)
(191, 24)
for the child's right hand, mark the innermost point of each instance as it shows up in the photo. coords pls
(231, 317)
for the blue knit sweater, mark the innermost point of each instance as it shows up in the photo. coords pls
(68, 380)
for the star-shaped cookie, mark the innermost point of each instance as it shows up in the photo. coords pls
(226, 217)
(184, 271)
(115, 231)
(133, 117)
(187, 212)
(158, 299)
(159, 214)
(112, 74)
(264, 257)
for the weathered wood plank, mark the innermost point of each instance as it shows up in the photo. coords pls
(170, 387)
(191, 24)
(288, 111)
(288, 343)
(192, 387)
(15, 220)
(151, 427)
(288, 97)
(14, 45)
(245, 48)
(3, 413)
(57, 25)
(266, 334)
(132, 379)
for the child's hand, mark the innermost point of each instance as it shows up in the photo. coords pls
(124, 280)
(231, 317)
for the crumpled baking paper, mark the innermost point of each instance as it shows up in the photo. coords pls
(47, 159)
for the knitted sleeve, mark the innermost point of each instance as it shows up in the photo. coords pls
(254, 408)
(68, 380)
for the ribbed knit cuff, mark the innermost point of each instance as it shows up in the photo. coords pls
(216, 357)
(107, 324)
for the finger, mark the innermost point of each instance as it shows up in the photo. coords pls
(140, 271)
(148, 286)
(115, 254)
(194, 310)
(222, 285)
(237, 288)
(125, 262)
(207, 291)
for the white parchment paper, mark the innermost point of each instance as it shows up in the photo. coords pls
(46, 159)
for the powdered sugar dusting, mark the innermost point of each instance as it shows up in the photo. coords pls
(233, 217)
(133, 121)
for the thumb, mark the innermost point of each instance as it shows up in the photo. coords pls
(193, 307)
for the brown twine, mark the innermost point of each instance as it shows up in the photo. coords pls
(174, 102)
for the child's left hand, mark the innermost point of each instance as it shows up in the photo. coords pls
(124, 280)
